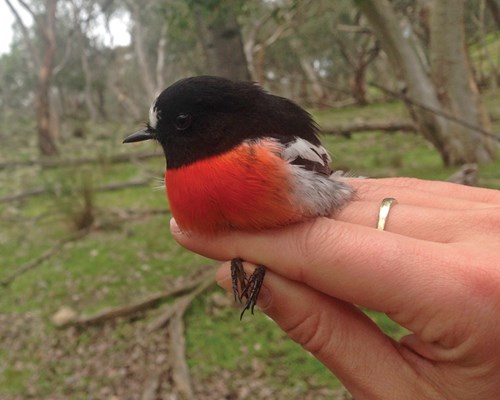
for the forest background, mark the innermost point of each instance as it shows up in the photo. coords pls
(96, 300)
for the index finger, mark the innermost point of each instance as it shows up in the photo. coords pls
(351, 262)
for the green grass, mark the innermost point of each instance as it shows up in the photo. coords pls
(126, 260)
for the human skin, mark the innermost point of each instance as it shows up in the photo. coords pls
(435, 270)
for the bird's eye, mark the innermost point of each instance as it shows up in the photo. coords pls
(182, 121)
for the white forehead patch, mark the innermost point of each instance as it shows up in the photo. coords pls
(154, 115)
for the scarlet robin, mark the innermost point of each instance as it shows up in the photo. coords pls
(239, 158)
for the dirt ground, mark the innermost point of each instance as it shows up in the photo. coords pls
(120, 360)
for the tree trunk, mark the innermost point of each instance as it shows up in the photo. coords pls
(400, 48)
(220, 37)
(495, 11)
(142, 59)
(130, 107)
(87, 73)
(41, 64)
(46, 141)
(454, 82)
(160, 60)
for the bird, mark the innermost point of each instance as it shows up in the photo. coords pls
(239, 158)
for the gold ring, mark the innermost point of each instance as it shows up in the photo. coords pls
(385, 207)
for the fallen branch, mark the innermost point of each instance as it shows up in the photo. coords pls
(42, 258)
(123, 185)
(180, 306)
(150, 301)
(152, 385)
(130, 214)
(57, 163)
(56, 191)
(367, 126)
(181, 378)
(174, 316)
(22, 195)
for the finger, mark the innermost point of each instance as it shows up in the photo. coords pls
(431, 224)
(432, 194)
(354, 263)
(344, 339)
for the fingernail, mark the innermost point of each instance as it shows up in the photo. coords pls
(223, 277)
(174, 228)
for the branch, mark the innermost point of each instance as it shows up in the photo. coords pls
(28, 9)
(353, 28)
(393, 126)
(42, 258)
(151, 301)
(435, 111)
(34, 55)
(180, 306)
(67, 47)
(124, 99)
(104, 188)
(181, 378)
(279, 31)
(49, 163)
(174, 317)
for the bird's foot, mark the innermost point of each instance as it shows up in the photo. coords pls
(239, 278)
(252, 288)
(245, 286)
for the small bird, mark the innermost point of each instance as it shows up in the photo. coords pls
(239, 158)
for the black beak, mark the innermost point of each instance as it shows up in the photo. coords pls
(139, 136)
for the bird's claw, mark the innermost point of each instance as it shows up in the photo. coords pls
(245, 286)
(239, 278)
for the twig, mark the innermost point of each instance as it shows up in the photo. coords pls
(42, 258)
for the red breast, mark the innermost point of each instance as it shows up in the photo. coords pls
(248, 188)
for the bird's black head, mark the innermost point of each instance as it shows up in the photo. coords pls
(203, 116)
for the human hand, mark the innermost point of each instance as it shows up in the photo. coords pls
(435, 270)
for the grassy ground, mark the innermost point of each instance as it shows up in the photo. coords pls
(125, 258)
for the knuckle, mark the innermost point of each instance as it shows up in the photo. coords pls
(407, 182)
(482, 220)
(313, 242)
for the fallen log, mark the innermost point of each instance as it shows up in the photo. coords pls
(196, 284)
(369, 126)
(103, 188)
(58, 163)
